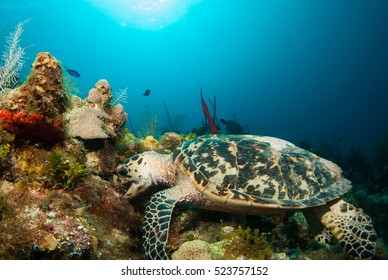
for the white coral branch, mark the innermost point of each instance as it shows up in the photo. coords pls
(13, 58)
(121, 96)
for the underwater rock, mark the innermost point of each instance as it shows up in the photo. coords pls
(34, 111)
(192, 250)
(54, 203)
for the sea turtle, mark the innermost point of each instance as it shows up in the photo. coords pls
(247, 174)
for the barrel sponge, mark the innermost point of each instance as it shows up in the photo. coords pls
(119, 116)
(94, 96)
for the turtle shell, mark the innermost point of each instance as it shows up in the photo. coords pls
(246, 172)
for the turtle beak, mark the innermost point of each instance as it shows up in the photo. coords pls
(135, 188)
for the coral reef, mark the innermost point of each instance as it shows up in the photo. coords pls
(35, 110)
(54, 201)
(37, 223)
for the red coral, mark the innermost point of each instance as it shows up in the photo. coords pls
(32, 126)
(58, 125)
(212, 126)
(35, 119)
(6, 120)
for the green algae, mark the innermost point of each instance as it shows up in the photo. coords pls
(246, 243)
(67, 171)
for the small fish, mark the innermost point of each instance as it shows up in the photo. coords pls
(147, 92)
(73, 73)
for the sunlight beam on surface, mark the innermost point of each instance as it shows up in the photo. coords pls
(144, 14)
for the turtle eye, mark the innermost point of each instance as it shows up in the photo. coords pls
(122, 171)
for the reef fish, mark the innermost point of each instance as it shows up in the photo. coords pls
(73, 72)
(147, 92)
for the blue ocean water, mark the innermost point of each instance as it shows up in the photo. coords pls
(298, 70)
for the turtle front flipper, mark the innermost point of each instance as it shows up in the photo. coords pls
(352, 228)
(156, 225)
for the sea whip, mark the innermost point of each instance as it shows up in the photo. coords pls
(212, 126)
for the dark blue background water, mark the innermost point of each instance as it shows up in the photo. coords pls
(292, 69)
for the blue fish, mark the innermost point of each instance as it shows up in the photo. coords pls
(147, 92)
(73, 73)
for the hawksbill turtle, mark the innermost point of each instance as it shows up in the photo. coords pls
(253, 175)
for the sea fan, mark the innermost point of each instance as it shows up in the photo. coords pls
(121, 96)
(13, 59)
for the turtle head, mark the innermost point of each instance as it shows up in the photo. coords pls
(140, 172)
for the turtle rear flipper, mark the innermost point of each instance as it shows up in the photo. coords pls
(352, 228)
